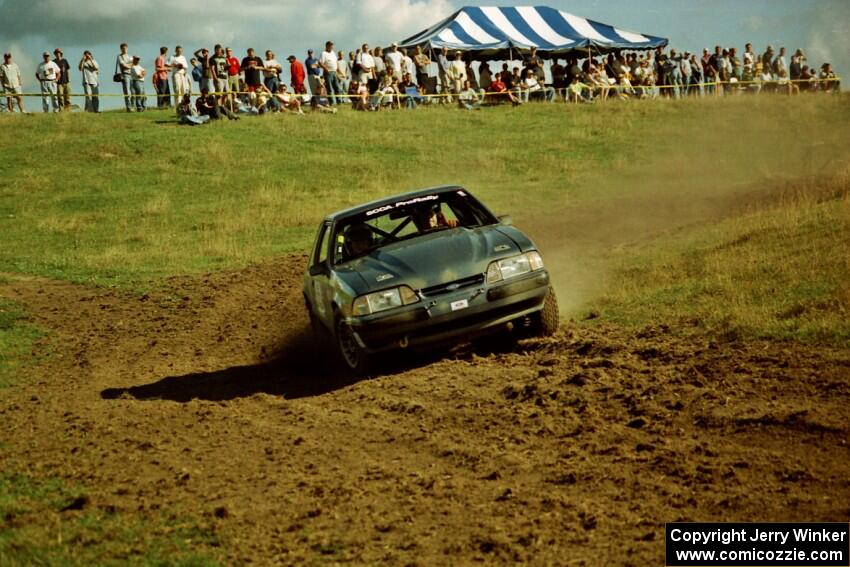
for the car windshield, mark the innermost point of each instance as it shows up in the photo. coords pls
(359, 234)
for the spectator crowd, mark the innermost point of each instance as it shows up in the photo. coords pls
(373, 79)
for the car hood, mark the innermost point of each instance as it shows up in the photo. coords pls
(431, 259)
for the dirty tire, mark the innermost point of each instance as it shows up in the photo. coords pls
(353, 356)
(548, 319)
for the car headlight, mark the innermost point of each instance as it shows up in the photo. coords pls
(383, 300)
(514, 266)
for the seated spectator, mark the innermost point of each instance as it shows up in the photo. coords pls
(410, 92)
(287, 101)
(499, 91)
(829, 81)
(264, 99)
(321, 102)
(469, 97)
(580, 92)
(536, 90)
(187, 114)
(359, 93)
(207, 105)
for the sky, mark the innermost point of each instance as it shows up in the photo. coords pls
(29, 27)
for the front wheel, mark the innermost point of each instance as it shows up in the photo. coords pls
(546, 321)
(353, 355)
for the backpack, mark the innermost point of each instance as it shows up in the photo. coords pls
(197, 74)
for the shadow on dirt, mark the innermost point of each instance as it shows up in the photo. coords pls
(302, 367)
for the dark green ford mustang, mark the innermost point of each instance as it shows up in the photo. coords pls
(429, 266)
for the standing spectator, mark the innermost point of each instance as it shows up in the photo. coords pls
(311, 64)
(123, 64)
(233, 69)
(380, 66)
(202, 55)
(734, 65)
(63, 84)
(367, 69)
(11, 83)
(47, 74)
(137, 87)
(271, 71)
(91, 83)
(749, 62)
(343, 72)
(536, 65)
(329, 62)
(407, 65)
(297, 75)
(796, 68)
(830, 82)
(180, 81)
(423, 64)
(394, 58)
(779, 64)
(696, 75)
(443, 65)
(559, 75)
(163, 93)
(457, 73)
(673, 70)
(251, 66)
(218, 70)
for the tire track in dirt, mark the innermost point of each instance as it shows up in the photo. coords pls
(210, 398)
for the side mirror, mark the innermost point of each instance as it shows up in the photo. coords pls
(506, 220)
(319, 270)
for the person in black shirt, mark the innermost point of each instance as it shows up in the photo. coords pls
(207, 105)
(252, 65)
(63, 84)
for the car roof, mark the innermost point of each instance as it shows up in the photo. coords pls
(389, 200)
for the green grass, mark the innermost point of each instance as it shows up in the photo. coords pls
(782, 272)
(123, 199)
(16, 342)
(127, 200)
(36, 529)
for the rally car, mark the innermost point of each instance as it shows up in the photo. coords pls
(430, 266)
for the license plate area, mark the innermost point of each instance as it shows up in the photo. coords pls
(459, 304)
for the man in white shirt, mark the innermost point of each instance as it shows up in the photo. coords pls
(179, 67)
(11, 83)
(407, 65)
(393, 59)
(329, 62)
(367, 65)
(91, 84)
(137, 74)
(123, 63)
(457, 73)
(271, 71)
(47, 74)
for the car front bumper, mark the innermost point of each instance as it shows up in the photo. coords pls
(444, 319)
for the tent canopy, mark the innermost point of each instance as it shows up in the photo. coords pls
(493, 32)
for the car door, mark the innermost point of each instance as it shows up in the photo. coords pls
(320, 285)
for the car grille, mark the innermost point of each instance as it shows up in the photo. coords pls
(453, 286)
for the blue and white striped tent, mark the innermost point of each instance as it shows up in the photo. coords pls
(493, 32)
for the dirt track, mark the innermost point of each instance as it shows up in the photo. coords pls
(210, 400)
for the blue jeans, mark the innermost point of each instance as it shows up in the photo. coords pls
(334, 88)
(48, 91)
(675, 78)
(92, 97)
(139, 94)
(272, 83)
(126, 86)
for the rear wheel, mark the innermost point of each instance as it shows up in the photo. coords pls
(352, 354)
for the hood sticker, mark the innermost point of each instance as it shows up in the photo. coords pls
(502, 248)
(384, 277)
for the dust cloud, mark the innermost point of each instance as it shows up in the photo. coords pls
(694, 174)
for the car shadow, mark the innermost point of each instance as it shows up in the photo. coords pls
(300, 368)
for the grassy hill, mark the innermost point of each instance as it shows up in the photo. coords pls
(127, 200)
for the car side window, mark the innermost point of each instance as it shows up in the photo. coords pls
(320, 255)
